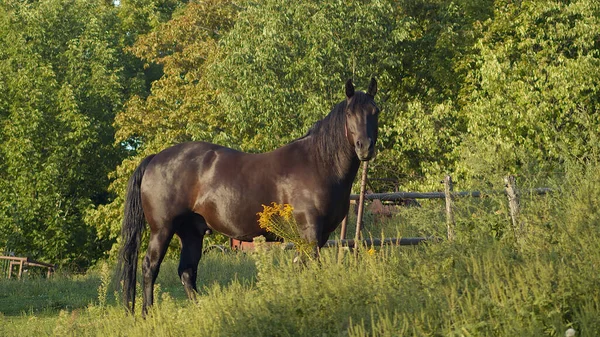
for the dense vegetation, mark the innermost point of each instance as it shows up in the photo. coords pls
(539, 284)
(475, 88)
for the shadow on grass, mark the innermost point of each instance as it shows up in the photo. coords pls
(41, 296)
(214, 267)
(45, 297)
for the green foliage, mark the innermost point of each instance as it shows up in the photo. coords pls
(532, 96)
(285, 63)
(61, 85)
(421, 126)
(142, 16)
(476, 285)
(258, 75)
(65, 75)
(478, 88)
(180, 105)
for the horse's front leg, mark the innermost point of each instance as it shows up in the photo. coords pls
(311, 231)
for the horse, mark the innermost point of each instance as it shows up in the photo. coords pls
(195, 187)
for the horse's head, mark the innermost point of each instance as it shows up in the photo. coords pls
(361, 120)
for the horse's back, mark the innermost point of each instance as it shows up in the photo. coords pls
(171, 178)
(228, 187)
(222, 185)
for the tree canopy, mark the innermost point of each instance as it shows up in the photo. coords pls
(476, 88)
(65, 74)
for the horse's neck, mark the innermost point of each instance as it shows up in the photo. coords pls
(350, 173)
(334, 155)
(340, 166)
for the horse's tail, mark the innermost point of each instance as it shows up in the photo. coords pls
(131, 234)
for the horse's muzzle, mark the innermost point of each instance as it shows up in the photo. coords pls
(365, 150)
(366, 157)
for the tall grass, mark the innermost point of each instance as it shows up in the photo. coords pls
(486, 283)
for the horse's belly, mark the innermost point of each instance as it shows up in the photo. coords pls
(231, 220)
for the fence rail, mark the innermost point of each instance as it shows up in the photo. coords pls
(513, 194)
(379, 242)
(350, 243)
(26, 262)
(395, 196)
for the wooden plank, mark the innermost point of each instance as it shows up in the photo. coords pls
(449, 205)
(245, 246)
(13, 258)
(400, 195)
(441, 195)
(361, 200)
(513, 203)
(21, 268)
(24, 262)
(10, 267)
(379, 242)
(38, 263)
(27, 261)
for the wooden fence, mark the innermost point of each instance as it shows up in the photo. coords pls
(511, 191)
(22, 262)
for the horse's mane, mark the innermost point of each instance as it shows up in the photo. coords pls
(328, 133)
(327, 137)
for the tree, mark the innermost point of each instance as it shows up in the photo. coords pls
(180, 106)
(532, 96)
(284, 65)
(61, 84)
(474, 87)
(254, 76)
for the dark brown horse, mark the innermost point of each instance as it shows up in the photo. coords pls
(191, 187)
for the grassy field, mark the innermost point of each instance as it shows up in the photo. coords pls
(488, 282)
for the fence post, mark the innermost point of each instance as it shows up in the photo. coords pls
(4, 264)
(10, 267)
(361, 202)
(343, 236)
(343, 228)
(513, 203)
(448, 189)
(20, 269)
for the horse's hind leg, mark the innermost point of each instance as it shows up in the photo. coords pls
(157, 247)
(191, 235)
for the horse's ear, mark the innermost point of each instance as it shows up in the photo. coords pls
(372, 87)
(349, 88)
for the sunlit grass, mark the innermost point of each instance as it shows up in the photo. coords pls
(485, 283)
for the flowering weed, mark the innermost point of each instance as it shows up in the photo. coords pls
(279, 220)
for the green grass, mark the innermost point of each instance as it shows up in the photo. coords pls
(43, 297)
(486, 283)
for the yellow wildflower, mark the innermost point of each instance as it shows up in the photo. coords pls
(274, 213)
(287, 212)
(279, 220)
